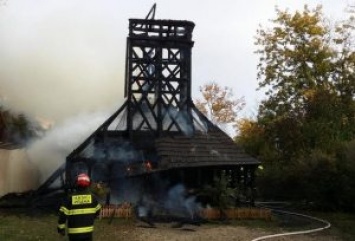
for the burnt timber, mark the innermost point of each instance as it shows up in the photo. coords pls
(158, 133)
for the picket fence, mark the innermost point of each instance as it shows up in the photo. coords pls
(125, 210)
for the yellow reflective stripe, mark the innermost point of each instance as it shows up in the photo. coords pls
(81, 230)
(82, 211)
(61, 226)
(64, 210)
(98, 207)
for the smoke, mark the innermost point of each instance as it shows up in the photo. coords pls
(50, 152)
(175, 202)
(60, 58)
(179, 203)
(62, 62)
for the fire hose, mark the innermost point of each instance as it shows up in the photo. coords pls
(325, 224)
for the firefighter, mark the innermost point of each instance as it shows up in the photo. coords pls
(78, 212)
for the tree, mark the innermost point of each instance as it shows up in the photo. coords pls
(344, 76)
(219, 104)
(221, 194)
(307, 70)
(17, 128)
(250, 136)
(295, 56)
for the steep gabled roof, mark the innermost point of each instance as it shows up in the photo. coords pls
(203, 144)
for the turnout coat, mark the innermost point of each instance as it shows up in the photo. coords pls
(78, 212)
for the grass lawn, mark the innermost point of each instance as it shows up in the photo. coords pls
(16, 225)
(22, 227)
(343, 224)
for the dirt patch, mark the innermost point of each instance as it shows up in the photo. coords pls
(214, 233)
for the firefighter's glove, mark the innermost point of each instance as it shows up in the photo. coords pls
(61, 231)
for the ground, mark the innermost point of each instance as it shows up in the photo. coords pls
(215, 233)
(15, 226)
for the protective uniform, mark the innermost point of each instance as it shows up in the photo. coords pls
(78, 212)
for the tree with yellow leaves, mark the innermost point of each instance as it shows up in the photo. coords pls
(218, 103)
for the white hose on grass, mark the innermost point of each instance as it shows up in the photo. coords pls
(307, 231)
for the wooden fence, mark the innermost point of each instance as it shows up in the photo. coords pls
(236, 213)
(125, 210)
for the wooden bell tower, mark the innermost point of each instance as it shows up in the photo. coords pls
(158, 75)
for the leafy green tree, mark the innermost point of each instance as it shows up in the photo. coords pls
(295, 56)
(344, 76)
(221, 193)
(307, 69)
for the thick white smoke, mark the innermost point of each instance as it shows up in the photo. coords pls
(50, 152)
(60, 58)
(62, 61)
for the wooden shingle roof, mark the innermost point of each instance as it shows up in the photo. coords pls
(214, 148)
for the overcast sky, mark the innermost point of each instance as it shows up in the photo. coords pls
(60, 58)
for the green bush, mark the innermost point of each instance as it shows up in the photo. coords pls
(323, 180)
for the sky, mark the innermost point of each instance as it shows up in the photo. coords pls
(61, 58)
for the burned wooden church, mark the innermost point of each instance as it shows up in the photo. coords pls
(158, 138)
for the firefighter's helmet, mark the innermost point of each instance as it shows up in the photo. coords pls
(83, 180)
